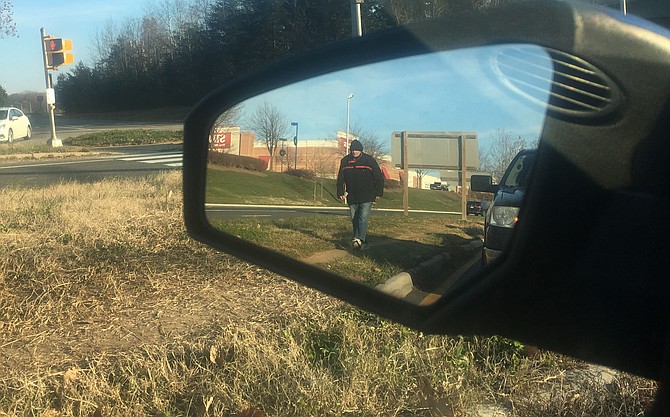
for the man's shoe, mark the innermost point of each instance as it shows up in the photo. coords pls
(364, 246)
(356, 244)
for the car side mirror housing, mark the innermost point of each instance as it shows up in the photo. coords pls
(483, 183)
(570, 279)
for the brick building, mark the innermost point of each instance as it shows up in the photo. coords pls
(320, 156)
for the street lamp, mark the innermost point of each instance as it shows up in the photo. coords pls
(356, 25)
(346, 140)
(295, 142)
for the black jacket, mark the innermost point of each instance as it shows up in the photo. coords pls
(361, 178)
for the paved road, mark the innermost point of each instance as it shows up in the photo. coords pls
(110, 163)
(66, 128)
(229, 211)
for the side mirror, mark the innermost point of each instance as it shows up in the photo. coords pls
(483, 183)
(570, 268)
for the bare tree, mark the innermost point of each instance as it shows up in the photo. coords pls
(372, 145)
(7, 24)
(500, 153)
(321, 163)
(230, 117)
(270, 125)
(420, 174)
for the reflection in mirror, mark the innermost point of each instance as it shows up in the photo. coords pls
(274, 162)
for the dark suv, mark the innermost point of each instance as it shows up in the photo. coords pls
(477, 208)
(503, 213)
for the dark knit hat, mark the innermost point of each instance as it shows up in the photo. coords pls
(356, 146)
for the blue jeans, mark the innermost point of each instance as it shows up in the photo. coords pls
(359, 219)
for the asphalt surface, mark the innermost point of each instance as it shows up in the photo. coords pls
(227, 211)
(121, 162)
(67, 127)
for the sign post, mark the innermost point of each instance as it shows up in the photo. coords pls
(436, 151)
(464, 178)
(405, 182)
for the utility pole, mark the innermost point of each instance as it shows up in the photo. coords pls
(55, 52)
(295, 143)
(346, 140)
(356, 21)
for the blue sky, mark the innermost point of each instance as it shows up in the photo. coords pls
(78, 20)
(449, 91)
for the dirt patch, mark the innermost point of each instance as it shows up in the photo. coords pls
(325, 256)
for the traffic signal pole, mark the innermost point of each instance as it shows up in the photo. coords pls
(56, 52)
(50, 96)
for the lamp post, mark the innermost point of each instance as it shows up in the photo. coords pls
(295, 143)
(346, 140)
(356, 24)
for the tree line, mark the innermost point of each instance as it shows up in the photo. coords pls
(182, 49)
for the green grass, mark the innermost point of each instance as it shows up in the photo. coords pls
(250, 187)
(398, 242)
(125, 137)
(247, 187)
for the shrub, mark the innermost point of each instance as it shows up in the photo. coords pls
(302, 173)
(392, 184)
(237, 161)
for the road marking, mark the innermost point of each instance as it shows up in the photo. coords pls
(171, 159)
(150, 156)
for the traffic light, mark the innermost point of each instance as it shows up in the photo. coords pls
(56, 49)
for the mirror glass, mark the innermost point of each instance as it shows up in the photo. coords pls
(274, 162)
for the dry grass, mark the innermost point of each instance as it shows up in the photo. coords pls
(108, 309)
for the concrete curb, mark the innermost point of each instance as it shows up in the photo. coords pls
(401, 285)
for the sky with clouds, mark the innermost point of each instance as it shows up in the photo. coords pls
(447, 91)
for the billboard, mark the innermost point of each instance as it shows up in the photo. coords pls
(435, 150)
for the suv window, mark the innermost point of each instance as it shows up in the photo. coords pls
(519, 172)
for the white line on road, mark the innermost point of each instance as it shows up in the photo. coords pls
(151, 156)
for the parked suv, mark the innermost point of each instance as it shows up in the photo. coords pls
(477, 208)
(437, 186)
(503, 214)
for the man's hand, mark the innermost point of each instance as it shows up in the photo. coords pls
(377, 198)
(342, 197)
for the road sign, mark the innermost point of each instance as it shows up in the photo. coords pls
(435, 150)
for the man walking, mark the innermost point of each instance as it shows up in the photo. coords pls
(360, 183)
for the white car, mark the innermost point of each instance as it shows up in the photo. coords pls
(14, 124)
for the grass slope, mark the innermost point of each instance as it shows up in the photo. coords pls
(232, 186)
